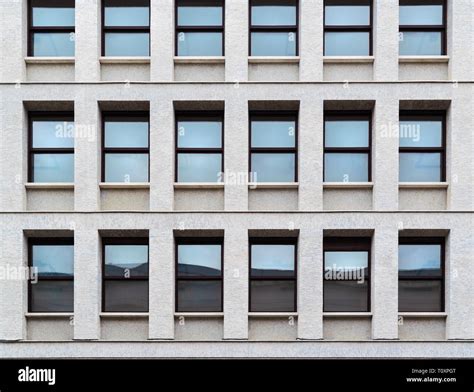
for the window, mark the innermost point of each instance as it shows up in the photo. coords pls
(199, 27)
(273, 28)
(51, 147)
(422, 27)
(422, 138)
(51, 28)
(421, 275)
(125, 274)
(125, 145)
(346, 274)
(348, 27)
(347, 146)
(199, 275)
(272, 275)
(126, 28)
(273, 151)
(52, 262)
(199, 147)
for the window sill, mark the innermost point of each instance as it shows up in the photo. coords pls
(199, 59)
(198, 185)
(49, 315)
(274, 59)
(423, 185)
(348, 59)
(423, 59)
(273, 185)
(272, 314)
(50, 60)
(124, 315)
(348, 185)
(124, 60)
(124, 185)
(423, 314)
(347, 314)
(49, 185)
(199, 314)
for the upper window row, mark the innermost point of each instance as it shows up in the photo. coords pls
(273, 27)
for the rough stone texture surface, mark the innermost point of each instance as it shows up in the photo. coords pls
(422, 199)
(199, 199)
(125, 199)
(49, 200)
(347, 329)
(433, 329)
(347, 199)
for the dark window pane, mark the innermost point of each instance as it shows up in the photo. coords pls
(348, 15)
(346, 44)
(200, 44)
(273, 133)
(199, 167)
(273, 167)
(53, 134)
(51, 296)
(273, 13)
(345, 296)
(419, 14)
(272, 296)
(53, 16)
(126, 134)
(273, 260)
(356, 262)
(416, 133)
(53, 44)
(126, 260)
(133, 15)
(420, 167)
(419, 296)
(200, 134)
(199, 296)
(199, 260)
(273, 44)
(53, 167)
(54, 260)
(126, 296)
(349, 167)
(200, 13)
(126, 167)
(419, 260)
(420, 43)
(127, 44)
(346, 133)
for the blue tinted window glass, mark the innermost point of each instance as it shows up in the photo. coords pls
(350, 167)
(126, 134)
(53, 44)
(126, 167)
(347, 134)
(273, 133)
(199, 167)
(419, 260)
(347, 15)
(53, 167)
(273, 13)
(51, 296)
(273, 260)
(346, 44)
(272, 296)
(199, 44)
(200, 134)
(420, 43)
(273, 44)
(417, 133)
(53, 260)
(127, 16)
(53, 16)
(200, 13)
(270, 167)
(199, 296)
(53, 134)
(127, 44)
(199, 260)
(420, 167)
(126, 260)
(126, 296)
(355, 259)
(421, 15)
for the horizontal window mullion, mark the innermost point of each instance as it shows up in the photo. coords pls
(192, 150)
(426, 28)
(349, 150)
(274, 278)
(347, 28)
(52, 29)
(122, 150)
(54, 279)
(126, 29)
(200, 278)
(134, 278)
(421, 278)
(202, 29)
(271, 150)
(274, 28)
(421, 149)
(52, 150)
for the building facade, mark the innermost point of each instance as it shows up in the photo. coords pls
(244, 178)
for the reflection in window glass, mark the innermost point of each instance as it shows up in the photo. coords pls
(200, 44)
(126, 167)
(273, 44)
(53, 134)
(273, 260)
(346, 134)
(200, 134)
(419, 14)
(419, 259)
(347, 15)
(273, 133)
(199, 260)
(53, 260)
(415, 133)
(273, 167)
(53, 16)
(127, 44)
(200, 13)
(199, 167)
(420, 43)
(121, 260)
(53, 167)
(126, 134)
(346, 44)
(346, 167)
(273, 12)
(420, 167)
(53, 44)
(126, 16)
